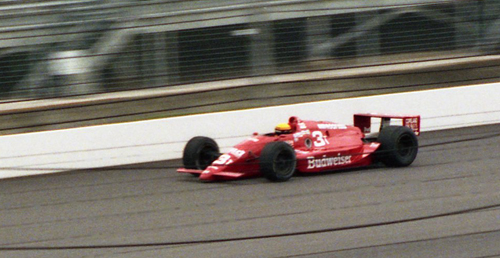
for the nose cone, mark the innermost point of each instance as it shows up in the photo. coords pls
(207, 175)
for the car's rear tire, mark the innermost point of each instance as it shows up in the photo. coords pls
(200, 152)
(278, 161)
(398, 146)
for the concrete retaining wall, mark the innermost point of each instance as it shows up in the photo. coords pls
(154, 140)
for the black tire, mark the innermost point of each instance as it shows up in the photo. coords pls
(278, 161)
(200, 152)
(398, 146)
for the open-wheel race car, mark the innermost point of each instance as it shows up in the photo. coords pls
(306, 147)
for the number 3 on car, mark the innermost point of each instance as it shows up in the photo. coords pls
(319, 139)
(223, 160)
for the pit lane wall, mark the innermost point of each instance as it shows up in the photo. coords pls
(161, 139)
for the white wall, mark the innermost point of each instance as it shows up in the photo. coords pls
(154, 140)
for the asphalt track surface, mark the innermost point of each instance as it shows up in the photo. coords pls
(447, 204)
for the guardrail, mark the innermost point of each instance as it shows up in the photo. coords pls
(162, 139)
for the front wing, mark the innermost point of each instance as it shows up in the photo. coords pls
(214, 175)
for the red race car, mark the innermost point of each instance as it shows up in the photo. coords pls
(306, 147)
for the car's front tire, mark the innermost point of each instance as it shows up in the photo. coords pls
(200, 152)
(398, 146)
(278, 161)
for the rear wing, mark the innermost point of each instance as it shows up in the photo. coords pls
(364, 121)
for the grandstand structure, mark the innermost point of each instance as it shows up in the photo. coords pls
(78, 47)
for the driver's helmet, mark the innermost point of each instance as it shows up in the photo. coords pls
(283, 128)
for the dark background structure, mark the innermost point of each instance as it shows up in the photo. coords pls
(83, 62)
